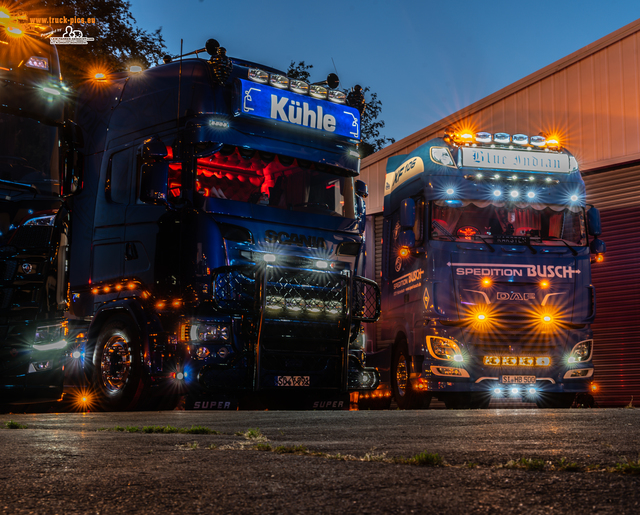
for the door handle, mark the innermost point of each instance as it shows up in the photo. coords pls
(130, 252)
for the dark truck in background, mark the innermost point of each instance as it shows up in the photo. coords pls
(34, 222)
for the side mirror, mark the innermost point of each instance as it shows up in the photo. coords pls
(153, 149)
(361, 189)
(598, 246)
(407, 238)
(153, 182)
(407, 213)
(593, 220)
(71, 160)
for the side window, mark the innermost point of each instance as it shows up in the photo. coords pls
(118, 184)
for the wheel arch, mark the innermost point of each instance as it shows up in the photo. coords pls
(130, 308)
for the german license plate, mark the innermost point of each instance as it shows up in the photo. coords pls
(518, 379)
(293, 381)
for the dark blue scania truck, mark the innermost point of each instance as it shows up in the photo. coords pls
(486, 282)
(216, 238)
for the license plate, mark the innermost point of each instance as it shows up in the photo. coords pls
(293, 381)
(518, 379)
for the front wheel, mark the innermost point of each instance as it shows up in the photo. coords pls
(404, 394)
(117, 374)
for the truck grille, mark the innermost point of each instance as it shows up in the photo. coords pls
(295, 294)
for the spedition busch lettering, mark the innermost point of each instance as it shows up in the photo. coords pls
(264, 101)
(284, 238)
(487, 270)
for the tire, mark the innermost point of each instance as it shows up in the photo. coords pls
(467, 400)
(117, 373)
(403, 393)
(555, 400)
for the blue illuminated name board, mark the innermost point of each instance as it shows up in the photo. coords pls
(263, 101)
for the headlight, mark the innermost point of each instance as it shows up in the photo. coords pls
(42, 220)
(209, 333)
(442, 348)
(50, 337)
(581, 352)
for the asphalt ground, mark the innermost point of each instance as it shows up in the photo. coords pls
(492, 461)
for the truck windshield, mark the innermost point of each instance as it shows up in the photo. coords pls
(475, 220)
(29, 152)
(276, 182)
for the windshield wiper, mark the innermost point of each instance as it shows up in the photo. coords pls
(555, 238)
(485, 242)
(19, 186)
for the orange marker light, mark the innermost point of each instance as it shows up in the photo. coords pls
(107, 289)
(481, 317)
(404, 251)
(547, 318)
(486, 282)
(599, 258)
(131, 286)
(544, 284)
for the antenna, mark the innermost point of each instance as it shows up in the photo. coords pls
(334, 67)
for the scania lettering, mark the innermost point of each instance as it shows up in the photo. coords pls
(217, 238)
(486, 281)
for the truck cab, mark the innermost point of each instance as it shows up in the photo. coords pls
(486, 288)
(217, 237)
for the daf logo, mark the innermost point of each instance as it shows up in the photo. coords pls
(27, 268)
(504, 295)
(284, 238)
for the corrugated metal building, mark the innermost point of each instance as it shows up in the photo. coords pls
(591, 98)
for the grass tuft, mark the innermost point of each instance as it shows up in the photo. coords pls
(426, 459)
(630, 467)
(253, 433)
(263, 447)
(569, 466)
(12, 424)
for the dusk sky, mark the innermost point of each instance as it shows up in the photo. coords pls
(424, 59)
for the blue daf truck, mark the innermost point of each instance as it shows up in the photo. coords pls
(486, 282)
(34, 223)
(217, 237)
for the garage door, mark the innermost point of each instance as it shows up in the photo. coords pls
(617, 327)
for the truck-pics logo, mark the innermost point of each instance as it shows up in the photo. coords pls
(497, 270)
(284, 238)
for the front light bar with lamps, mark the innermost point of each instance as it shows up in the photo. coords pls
(301, 87)
(521, 141)
(445, 349)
